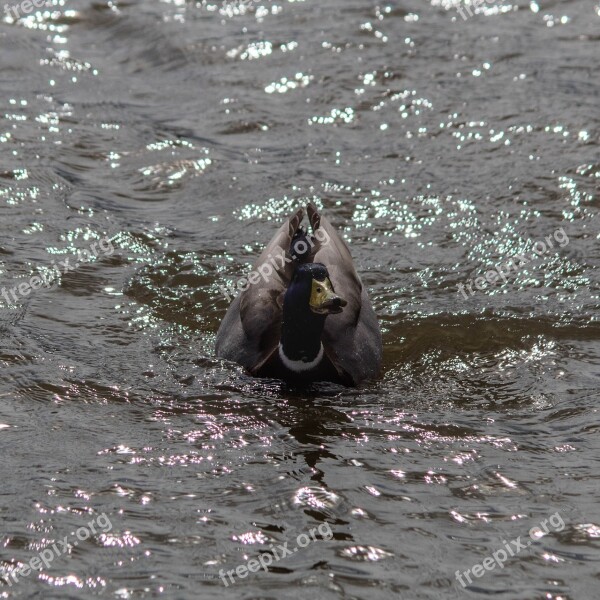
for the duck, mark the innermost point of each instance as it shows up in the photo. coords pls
(303, 315)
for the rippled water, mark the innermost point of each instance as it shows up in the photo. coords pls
(185, 132)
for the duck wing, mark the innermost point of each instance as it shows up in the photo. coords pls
(251, 329)
(352, 338)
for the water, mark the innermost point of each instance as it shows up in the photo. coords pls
(440, 147)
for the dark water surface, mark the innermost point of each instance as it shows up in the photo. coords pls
(185, 132)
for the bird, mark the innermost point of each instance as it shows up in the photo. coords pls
(304, 315)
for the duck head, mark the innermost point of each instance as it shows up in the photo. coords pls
(307, 302)
(311, 290)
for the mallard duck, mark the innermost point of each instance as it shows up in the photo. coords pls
(304, 314)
